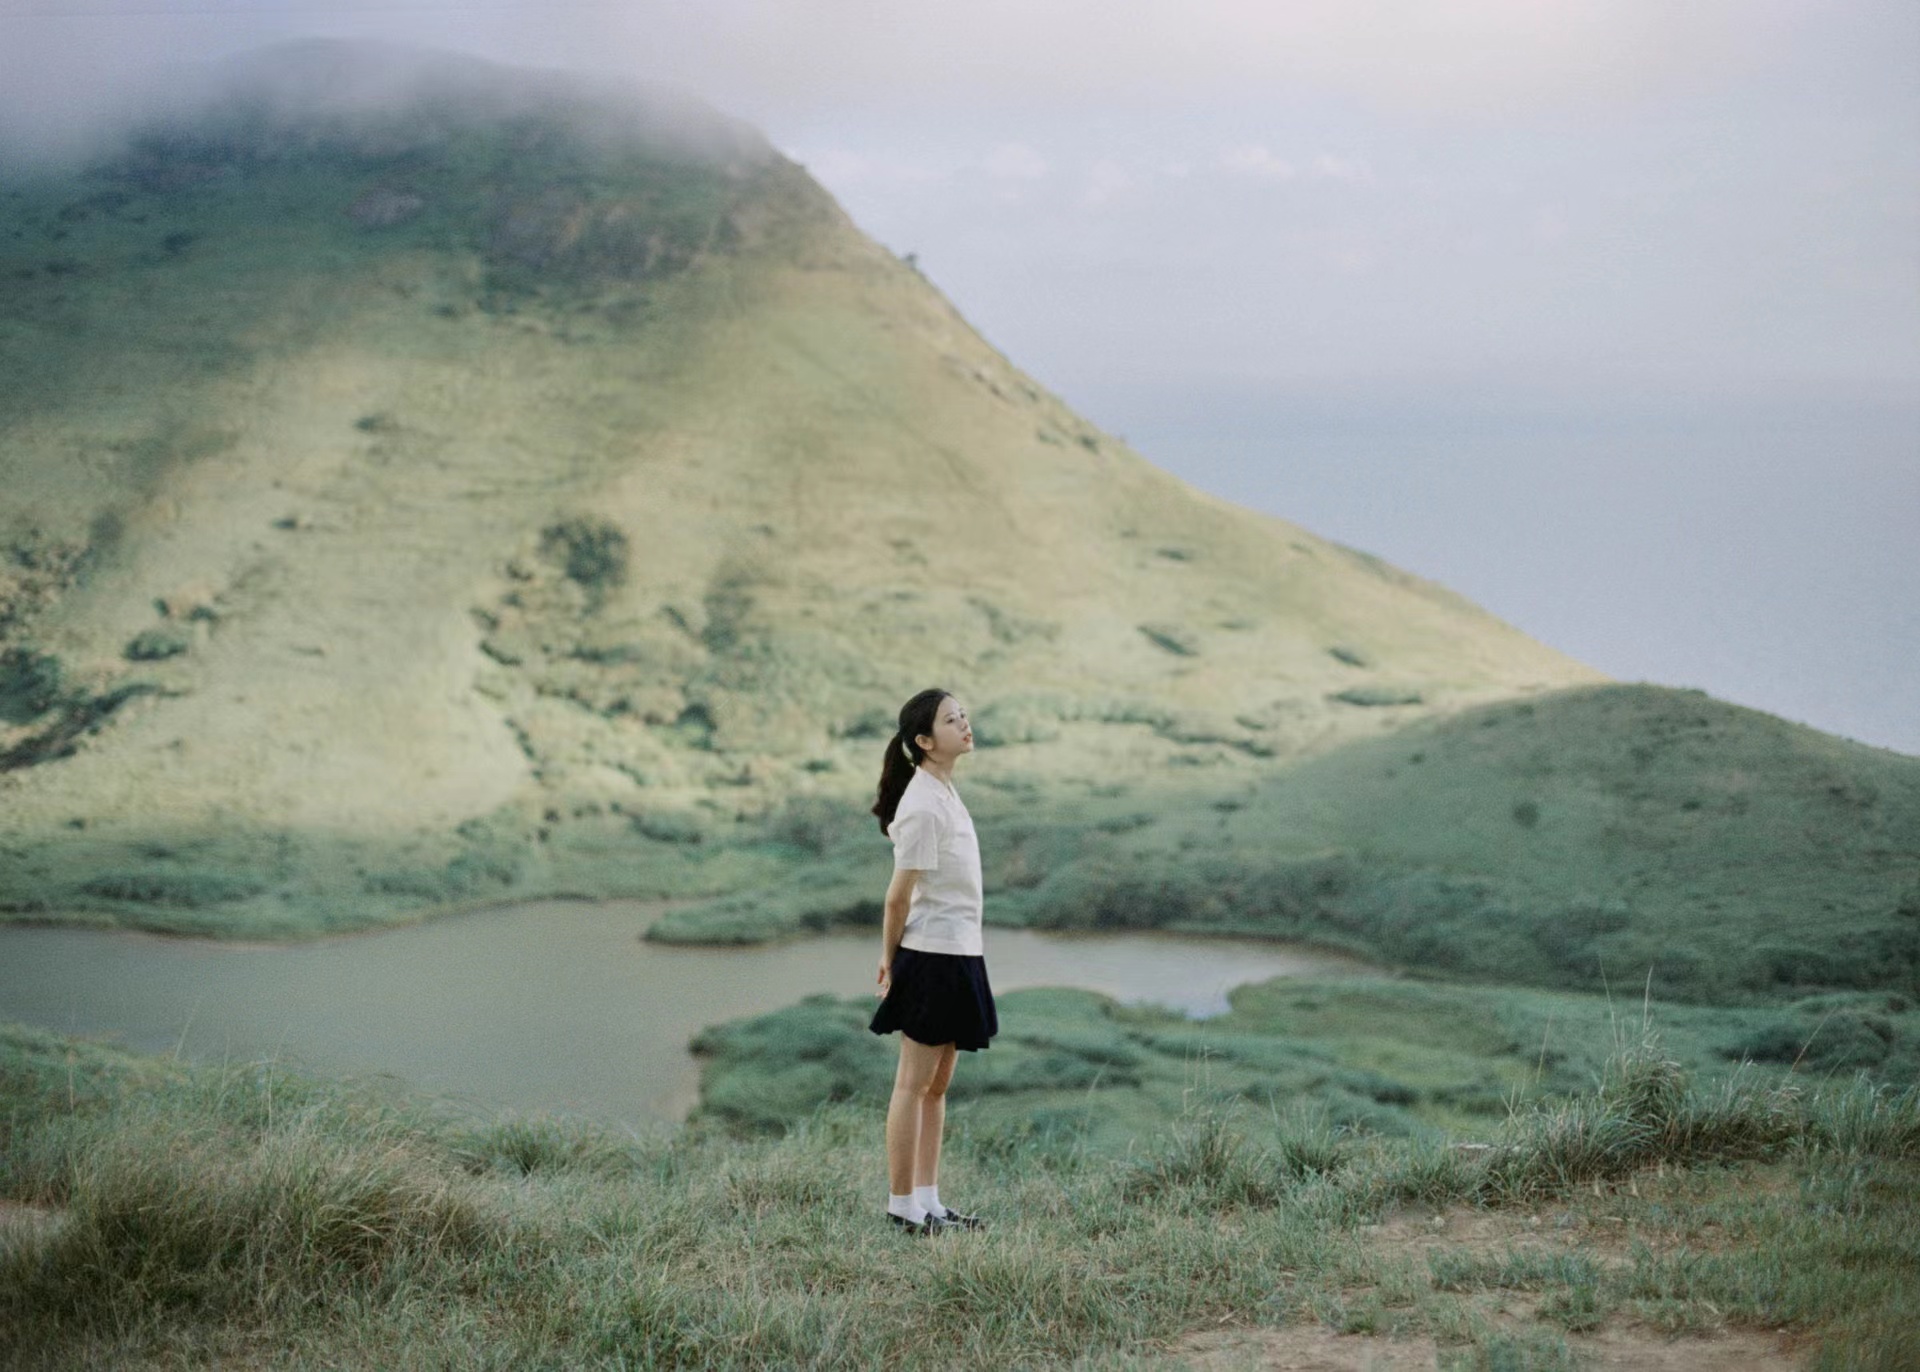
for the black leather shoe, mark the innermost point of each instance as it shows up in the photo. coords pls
(932, 1224)
(953, 1219)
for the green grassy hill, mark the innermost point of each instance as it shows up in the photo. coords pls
(426, 498)
(1592, 837)
(1611, 832)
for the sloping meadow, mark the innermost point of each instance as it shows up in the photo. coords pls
(506, 487)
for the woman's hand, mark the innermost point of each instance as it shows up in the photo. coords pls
(893, 922)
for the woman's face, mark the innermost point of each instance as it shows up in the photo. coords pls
(952, 734)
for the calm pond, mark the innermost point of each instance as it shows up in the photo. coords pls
(548, 1006)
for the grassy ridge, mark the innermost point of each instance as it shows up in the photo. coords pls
(1590, 836)
(191, 1216)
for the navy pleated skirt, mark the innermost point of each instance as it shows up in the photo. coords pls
(938, 998)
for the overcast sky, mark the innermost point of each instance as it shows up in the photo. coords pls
(1604, 312)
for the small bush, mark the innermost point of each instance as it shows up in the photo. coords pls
(670, 826)
(1570, 938)
(30, 685)
(873, 722)
(1102, 1048)
(527, 1145)
(1047, 1069)
(1849, 1041)
(1000, 723)
(1047, 1137)
(165, 1215)
(482, 867)
(1210, 1164)
(414, 884)
(1791, 964)
(156, 645)
(813, 824)
(1862, 1118)
(1308, 1145)
(1172, 638)
(859, 913)
(191, 889)
(592, 552)
(1377, 696)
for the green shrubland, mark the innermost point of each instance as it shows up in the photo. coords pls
(168, 1215)
(1602, 833)
(1414, 1060)
(1597, 837)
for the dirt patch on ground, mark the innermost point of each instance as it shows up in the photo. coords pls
(20, 1220)
(1603, 1226)
(1418, 1231)
(1730, 1350)
(1317, 1349)
(1605, 1223)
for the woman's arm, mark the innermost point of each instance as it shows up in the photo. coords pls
(893, 922)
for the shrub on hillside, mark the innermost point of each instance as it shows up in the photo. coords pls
(156, 645)
(527, 1145)
(1172, 638)
(999, 1073)
(763, 1074)
(162, 886)
(1841, 1040)
(1018, 720)
(815, 824)
(592, 552)
(492, 858)
(1377, 695)
(670, 826)
(1571, 939)
(30, 685)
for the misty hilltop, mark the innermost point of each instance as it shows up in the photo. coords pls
(426, 481)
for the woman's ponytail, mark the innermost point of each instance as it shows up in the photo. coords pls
(904, 752)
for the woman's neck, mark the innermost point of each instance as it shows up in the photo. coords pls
(942, 770)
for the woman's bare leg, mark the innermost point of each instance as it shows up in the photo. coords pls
(933, 1120)
(919, 1063)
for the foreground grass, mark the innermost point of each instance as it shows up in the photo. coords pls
(198, 1215)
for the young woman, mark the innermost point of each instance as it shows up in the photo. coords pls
(933, 975)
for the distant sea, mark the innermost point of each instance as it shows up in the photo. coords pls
(1766, 551)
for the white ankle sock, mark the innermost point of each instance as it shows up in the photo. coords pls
(928, 1199)
(908, 1208)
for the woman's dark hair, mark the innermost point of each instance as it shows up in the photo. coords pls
(904, 751)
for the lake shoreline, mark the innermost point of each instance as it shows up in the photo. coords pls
(492, 1005)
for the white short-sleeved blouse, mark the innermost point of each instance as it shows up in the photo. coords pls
(933, 834)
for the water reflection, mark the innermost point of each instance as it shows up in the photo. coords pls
(549, 1006)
